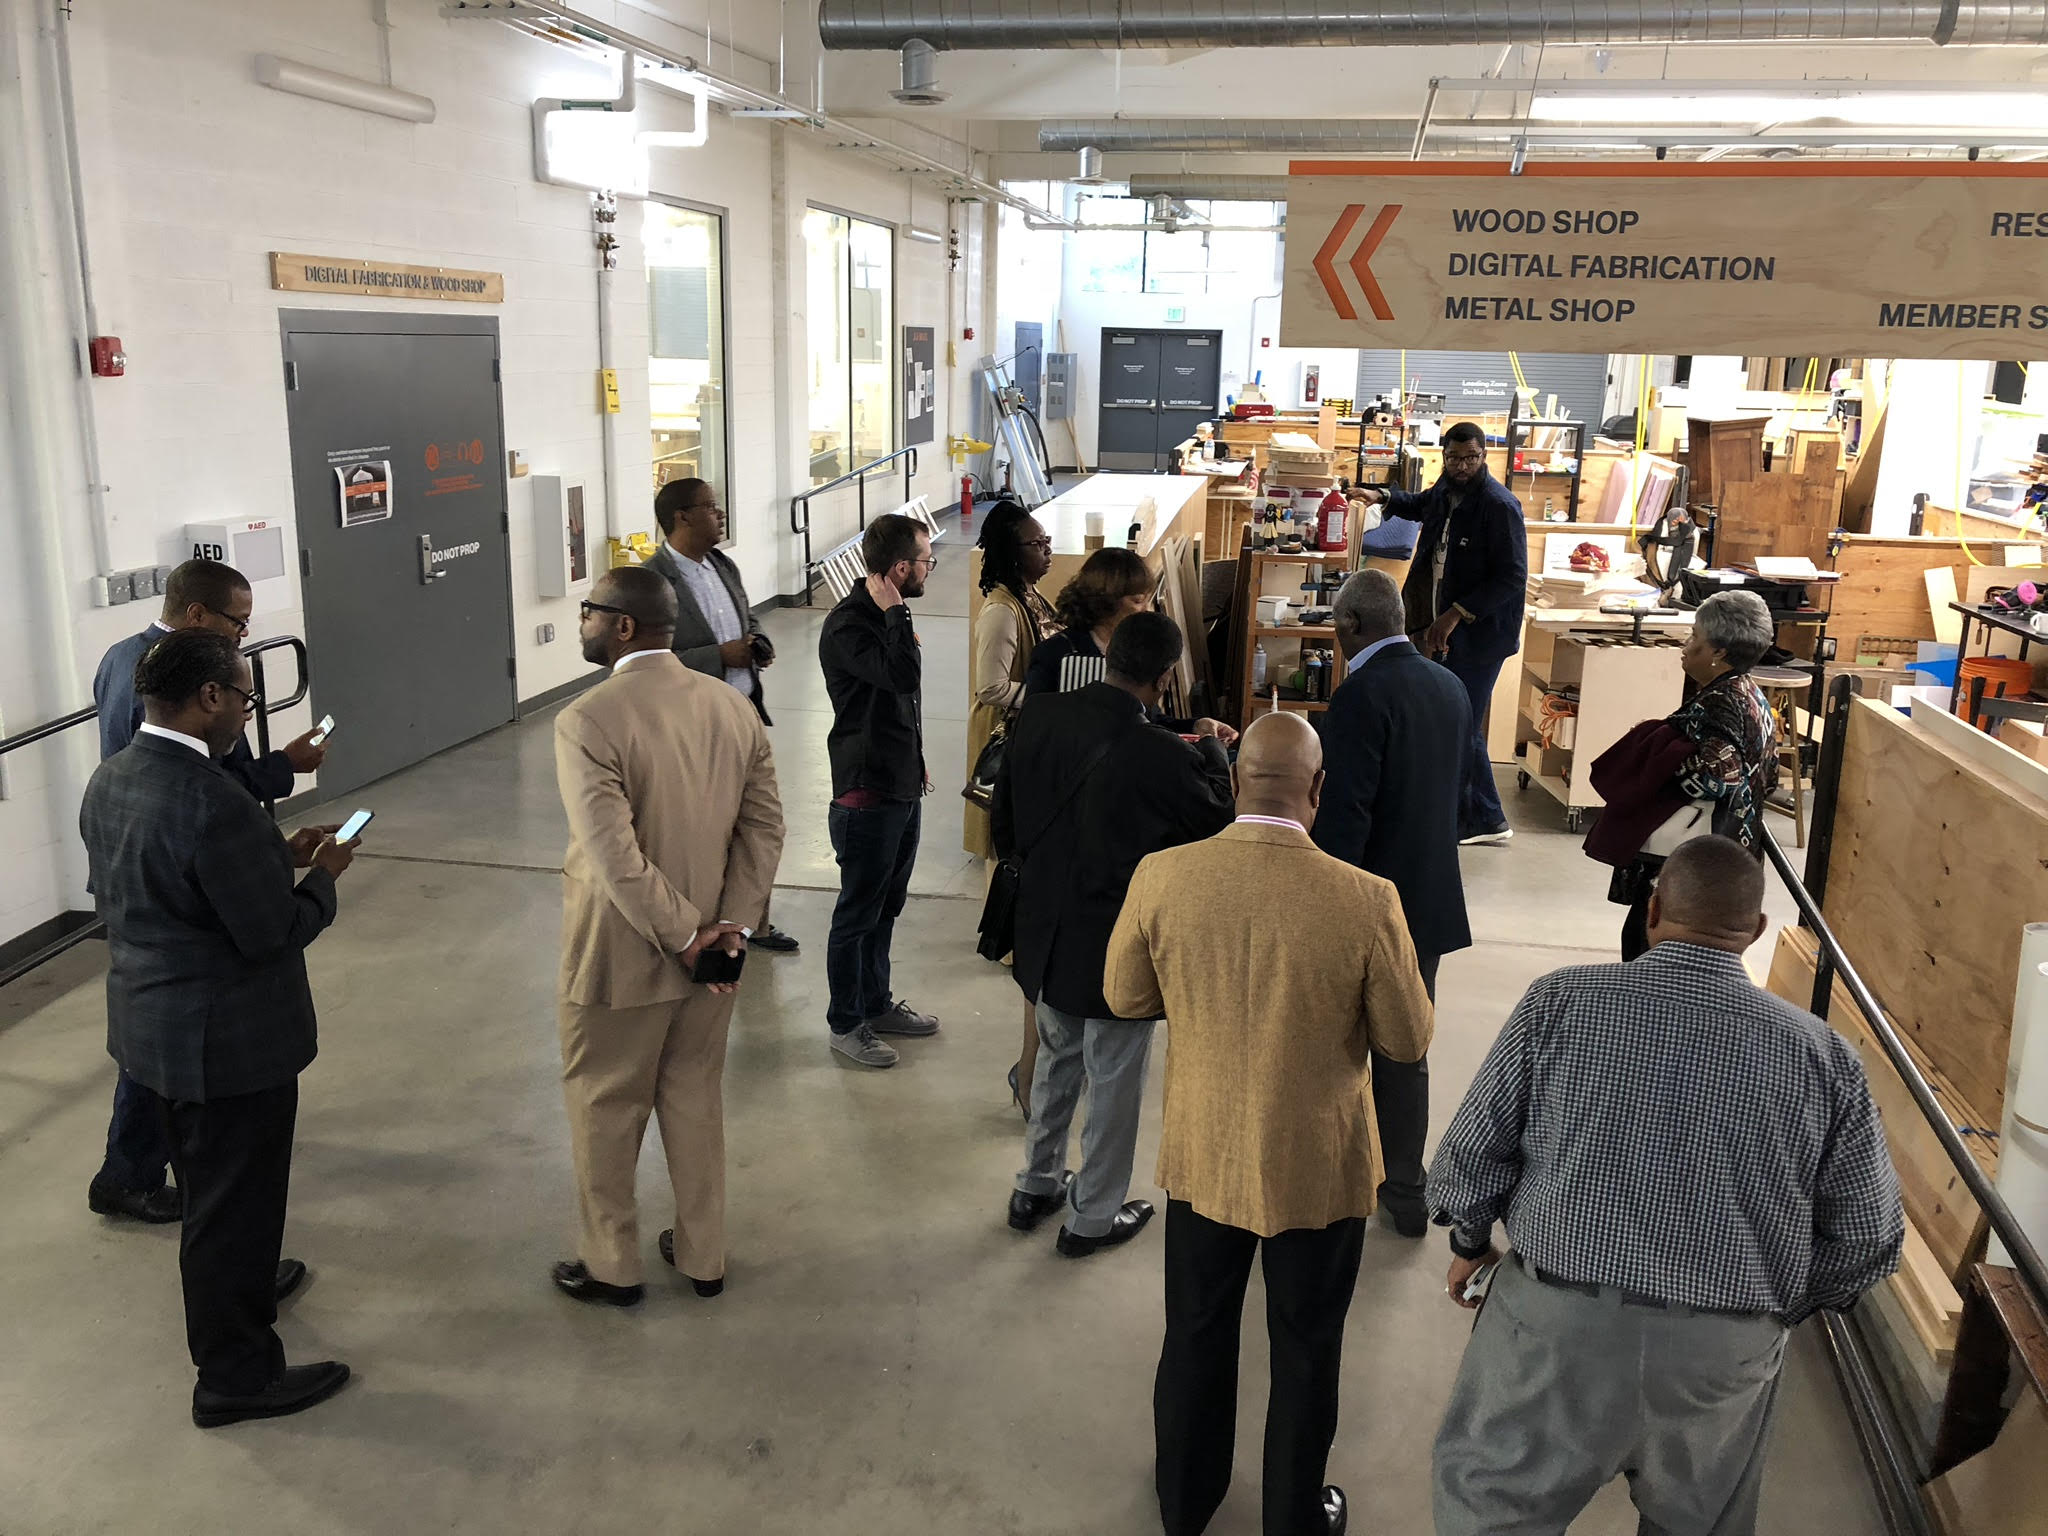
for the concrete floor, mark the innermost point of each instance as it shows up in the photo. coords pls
(888, 1357)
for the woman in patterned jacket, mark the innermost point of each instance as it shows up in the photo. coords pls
(1734, 762)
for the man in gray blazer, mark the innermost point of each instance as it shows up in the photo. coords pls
(208, 1007)
(716, 631)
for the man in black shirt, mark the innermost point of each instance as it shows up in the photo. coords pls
(874, 674)
(1089, 786)
(1465, 593)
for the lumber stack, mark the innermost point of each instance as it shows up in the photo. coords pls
(1296, 460)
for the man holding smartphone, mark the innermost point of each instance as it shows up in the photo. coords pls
(209, 1012)
(675, 830)
(716, 631)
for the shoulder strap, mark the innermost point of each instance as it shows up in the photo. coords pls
(1088, 767)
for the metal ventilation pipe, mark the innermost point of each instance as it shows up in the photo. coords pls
(1228, 189)
(920, 87)
(1366, 23)
(1337, 134)
(1088, 165)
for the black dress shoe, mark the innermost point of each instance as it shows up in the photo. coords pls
(1027, 1211)
(667, 1244)
(300, 1387)
(1336, 1509)
(774, 940)
(1408, 1220)
(1125, 1225)
(572, 1279)
(157, 1206)
(291, 1274)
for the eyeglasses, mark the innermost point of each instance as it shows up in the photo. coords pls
(241, 625)
(1464, 458)
(587, 608)
(929, 562)
(248, 699)
(1044, 544)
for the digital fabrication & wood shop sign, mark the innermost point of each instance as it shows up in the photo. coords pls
(1853, 259)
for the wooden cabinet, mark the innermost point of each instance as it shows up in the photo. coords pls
(1612, 683)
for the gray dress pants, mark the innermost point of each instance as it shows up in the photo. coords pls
(1562, 1391)
(1108, 1057)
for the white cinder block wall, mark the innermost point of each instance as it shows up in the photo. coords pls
(193, 173)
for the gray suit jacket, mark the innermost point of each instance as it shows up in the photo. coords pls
(206, 930)
(693, 641)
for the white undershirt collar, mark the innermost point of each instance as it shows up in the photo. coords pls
(632, 656)
(1273, 821)
(146, 729)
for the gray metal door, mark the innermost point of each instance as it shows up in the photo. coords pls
(408, 598)
(1190, 376)
(1127, 433)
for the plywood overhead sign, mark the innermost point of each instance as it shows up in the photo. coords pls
(1863, 259)
(384, 279)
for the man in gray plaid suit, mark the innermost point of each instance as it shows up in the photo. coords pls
(208, 1006)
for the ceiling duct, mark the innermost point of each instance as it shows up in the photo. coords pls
(1088, 165)
(920, 87)
(1364, 23)
(1223, 189)
(1219, 134)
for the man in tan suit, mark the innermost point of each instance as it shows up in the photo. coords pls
(1280, 970)
(674, 833)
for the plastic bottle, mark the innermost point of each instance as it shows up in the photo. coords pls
(1259, 668)
(1331, 530)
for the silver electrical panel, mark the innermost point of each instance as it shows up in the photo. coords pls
(1059, 386)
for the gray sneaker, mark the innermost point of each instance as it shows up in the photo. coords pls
(903, 1020)
(861, 1045)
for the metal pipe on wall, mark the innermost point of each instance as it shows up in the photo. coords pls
(1120, 24)
(604, 214)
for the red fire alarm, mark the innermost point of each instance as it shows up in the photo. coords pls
(108, 360)
(967, 334)
(1265, 341)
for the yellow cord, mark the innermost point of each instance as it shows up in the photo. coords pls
(1962, 488)
(1635, 463)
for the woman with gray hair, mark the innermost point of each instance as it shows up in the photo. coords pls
(1734, 761)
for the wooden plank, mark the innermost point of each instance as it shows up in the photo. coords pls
(1938, 1204)
(2000, 1491)
(1936, 867)
(1985, 750)
(1883, 592)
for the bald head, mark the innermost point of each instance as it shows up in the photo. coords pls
(1711, 892)
(1279, 768)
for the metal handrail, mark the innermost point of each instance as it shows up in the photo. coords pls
(857, 478)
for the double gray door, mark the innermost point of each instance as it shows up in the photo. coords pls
(1156, 386)
(408, 595)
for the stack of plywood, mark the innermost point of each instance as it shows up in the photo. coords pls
(1298, 461)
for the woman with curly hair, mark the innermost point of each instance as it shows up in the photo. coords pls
(1111, 585)
(1015, 555)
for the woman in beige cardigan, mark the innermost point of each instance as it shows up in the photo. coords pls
(1015, 555)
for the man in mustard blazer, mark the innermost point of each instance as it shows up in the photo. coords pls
(674, 834)
(1280, 971)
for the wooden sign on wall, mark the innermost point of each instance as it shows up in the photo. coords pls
(383, 279)
(1848, 259)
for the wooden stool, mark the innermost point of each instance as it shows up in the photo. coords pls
(1783, 687)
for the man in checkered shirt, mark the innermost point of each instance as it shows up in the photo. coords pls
(1687, 1166)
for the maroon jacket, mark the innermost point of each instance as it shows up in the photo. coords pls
(1638, 777)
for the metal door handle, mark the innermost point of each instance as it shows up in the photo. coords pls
(427, 571)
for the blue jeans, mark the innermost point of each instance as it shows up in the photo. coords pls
(876, 846)
(137, 1147)
(1479, 805)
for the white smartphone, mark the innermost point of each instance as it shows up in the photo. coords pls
(321, 734)
(1481, 1281)
(353, 826)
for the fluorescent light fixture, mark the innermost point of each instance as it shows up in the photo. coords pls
(342, 90)
(1873, 109)
(930, 237)
(788, 114)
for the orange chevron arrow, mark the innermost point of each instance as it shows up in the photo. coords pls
(1361, 260)
(1325, 264)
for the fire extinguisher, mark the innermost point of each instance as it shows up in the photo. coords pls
(967, 501)
(1330, 518)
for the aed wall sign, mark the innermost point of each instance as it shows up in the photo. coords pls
(1854, 259)
(385, 279)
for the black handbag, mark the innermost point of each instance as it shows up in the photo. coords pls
(999, 911)
(981, 783)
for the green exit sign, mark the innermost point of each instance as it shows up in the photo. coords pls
(1176, 314)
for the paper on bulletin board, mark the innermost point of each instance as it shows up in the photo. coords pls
(920, 385)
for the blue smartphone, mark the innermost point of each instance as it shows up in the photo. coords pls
(353, 826)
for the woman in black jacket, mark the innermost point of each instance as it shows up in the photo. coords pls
(1111, 585)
